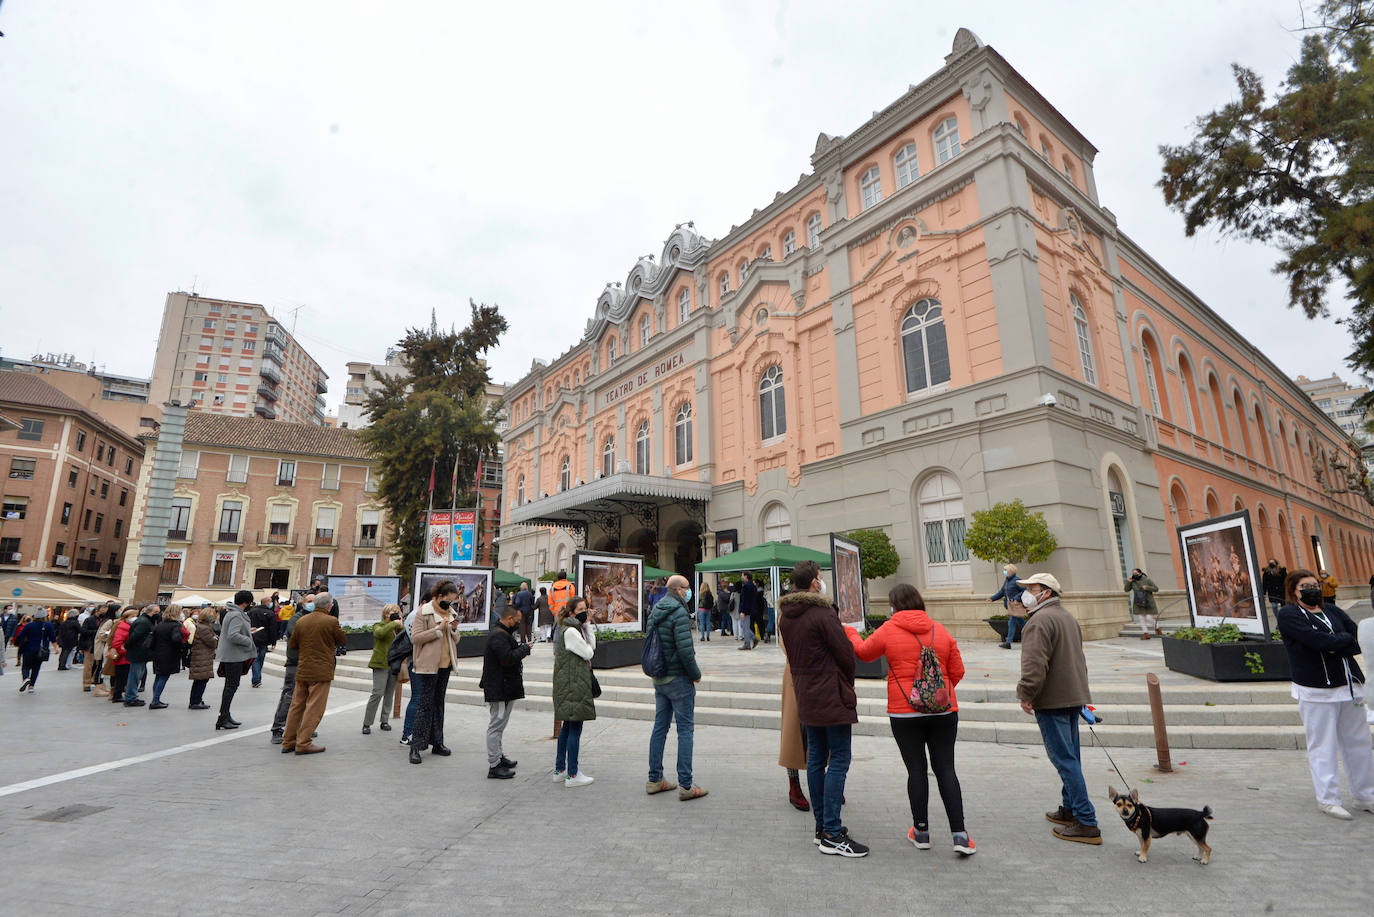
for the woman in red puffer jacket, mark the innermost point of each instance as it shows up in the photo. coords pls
(917, 728)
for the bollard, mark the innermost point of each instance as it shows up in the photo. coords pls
(1157, 718)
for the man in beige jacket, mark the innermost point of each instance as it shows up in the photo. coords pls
(1054, 688)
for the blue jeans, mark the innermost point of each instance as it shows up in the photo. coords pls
(1060, 732)
(257, 664)
(159, 682)
(746, 629)
(704, 623)
(677, 699)
(1013, 622)
(569, 744)
(136, 672)
(827, 765)
(413, 705)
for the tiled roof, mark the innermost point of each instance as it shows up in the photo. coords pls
(19, 390)
(276, 436)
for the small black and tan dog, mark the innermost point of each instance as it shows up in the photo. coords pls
(1146, 823)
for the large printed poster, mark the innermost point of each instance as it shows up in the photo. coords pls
(613, 585)
(849, 580)
(1219, 571)
(473, 606)
(362, 598)
(464, 539)
(437, 537)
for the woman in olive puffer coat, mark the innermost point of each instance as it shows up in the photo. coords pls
(572, 688)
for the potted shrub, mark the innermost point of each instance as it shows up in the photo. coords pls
(357, 638)
(1008, 533)
(1221, 653)
(999, 624)
(616, 649)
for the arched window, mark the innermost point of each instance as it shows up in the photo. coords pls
(1240, 421)
(1190, 402)
(772, 404)
(766, 254)
(1045, 147)
(577, 377)
(905, 162)
(684, 305)
(565, 474)
(1178, 505)
(560, 558)
(1121, 527)
(724, 282)
(1154, 377)
(520, 491)
(645, 329)
(870, 187)
(1150, 387)
(940, 508)
(813, 231)
(1287, 541)
(1068, 169)
(1263, 433)
(608, 457)
(1085, 340)
(1019, 123)
(789, 243)
(1265, 536)
(743, 271)
(777, 524)
(610, 351)
(1213, 505)
(642, 449)
(925, 350)
(1220, 408)
(682, 434)
(946, 140)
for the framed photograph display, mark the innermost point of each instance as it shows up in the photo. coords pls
(362, 598)
(1219, 571)
(613, 585)
(849, 581)
(473, 607)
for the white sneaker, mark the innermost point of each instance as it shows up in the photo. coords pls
(579, 780)
(1365, 804)
(560, 776)
(1336, 812)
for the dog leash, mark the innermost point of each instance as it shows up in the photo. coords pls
(1090, 716)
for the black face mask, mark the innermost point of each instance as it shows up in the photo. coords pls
(509, 627)
(1311, 595)
(582, 617)
(444, 604)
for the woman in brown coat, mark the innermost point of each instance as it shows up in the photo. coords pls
(202, 667)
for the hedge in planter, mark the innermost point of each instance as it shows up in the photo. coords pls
(616, 649)
(1219, 654)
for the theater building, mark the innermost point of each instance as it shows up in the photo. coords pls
(940, 316)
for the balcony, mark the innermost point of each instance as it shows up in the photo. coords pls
(178, 535)
(287, 539)
(267, 391)
(86, 565)
(270, 373)
(274, 354)
(374, 541)
(276, 335)
(227, 538)
(265, 410)
(323, 538)
(321, 386)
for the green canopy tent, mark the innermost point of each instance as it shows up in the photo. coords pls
(504, 579)
(771, 556)
(656, 573)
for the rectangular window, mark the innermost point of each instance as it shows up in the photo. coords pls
(364, 566)
(95, 481)
(104, 490)
(180, 522)
(370, 483)
(99, 522)
(66, 515)
(270, 578)
(369, 520)
(21, 469)
(30, 429)
(209, 325)
(119, 527)
(15, 508)
(207, 342)
(129, 463)
(230, 515)
(99, 452)
(123, 496)
(71, 476)
(238, 469)
(190, 459)
(279, 523)
(249, 346)
(319, 566)
(86, 521)
(110, 457)
(59, 554)
(224, 572)
(331, 477)
(286, 474)
(324, 524)
(171, 568)
(222, 378)
(114, 563)
(80, 440)
(9, 551)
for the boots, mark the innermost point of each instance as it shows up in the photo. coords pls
(101, 691)
(795, 795)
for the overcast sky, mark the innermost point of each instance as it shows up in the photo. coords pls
(369, 162)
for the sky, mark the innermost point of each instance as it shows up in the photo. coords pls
(353, 166)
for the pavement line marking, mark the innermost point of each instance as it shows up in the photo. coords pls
(39, 782)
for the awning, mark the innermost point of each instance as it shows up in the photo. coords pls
(656, 573)
(603, 501)
(504, 579)
(763, 557)
(38, 590)
(194, 598)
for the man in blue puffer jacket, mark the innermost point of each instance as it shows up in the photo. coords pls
(675, 692)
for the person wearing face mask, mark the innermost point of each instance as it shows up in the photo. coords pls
(573, 704)
(434, 636)
(675, 691)
(1010, 594)
(303, 607)
(1328, 685)
(383, 676)
(315, 638)
(502, 685)
(1054, 688)
(235, 648)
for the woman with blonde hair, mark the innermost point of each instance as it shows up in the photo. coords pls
(383, 676)
(168, 637)
(202, 666)
(109, 618)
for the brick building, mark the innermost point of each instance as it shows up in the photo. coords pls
(70, 485)
(259, 504)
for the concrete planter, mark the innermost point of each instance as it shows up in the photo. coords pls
(471, 645)
(617, 654)
(358, 642)
(1226, 661)
(1001, 628)
(876, 669)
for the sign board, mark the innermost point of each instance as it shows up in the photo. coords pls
(1118, 502)
(631, 384)
(362, 598)
(847, 570)
(437, 535)
(727, 542)
(472, 607)
(463, 540)
(1219, 567)
(613, 585)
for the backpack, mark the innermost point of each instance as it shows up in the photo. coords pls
(929, 691)
(651, 659)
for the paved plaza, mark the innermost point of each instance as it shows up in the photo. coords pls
(157, 810)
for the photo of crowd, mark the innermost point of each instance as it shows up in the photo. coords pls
(613, 586)
(1220, 573)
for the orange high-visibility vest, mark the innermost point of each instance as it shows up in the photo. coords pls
(559, 595)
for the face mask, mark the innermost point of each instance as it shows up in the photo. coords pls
(1311, 595)
(444, 604)
(821, 587)
(1029, 599)
(309, 606)
(687, 596)
(581, 617)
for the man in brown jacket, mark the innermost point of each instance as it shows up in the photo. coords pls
(314, 638)
(1054, 688)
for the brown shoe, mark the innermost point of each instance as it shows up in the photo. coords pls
(1061, 816)
(310, 748)
(1079, 833)
(1145, 636)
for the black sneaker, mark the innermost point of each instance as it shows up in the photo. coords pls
(507, 762)
(843, 845)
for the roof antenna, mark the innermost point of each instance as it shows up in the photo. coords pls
(194, 281)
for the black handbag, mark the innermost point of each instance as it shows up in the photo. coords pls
(596, 686)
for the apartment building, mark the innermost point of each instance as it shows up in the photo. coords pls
(122, 400)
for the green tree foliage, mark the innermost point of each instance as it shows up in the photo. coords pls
(1297, 170)
(1008, 533)
(437, 414)
(877, 556)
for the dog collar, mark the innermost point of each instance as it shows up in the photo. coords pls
(1134, 821)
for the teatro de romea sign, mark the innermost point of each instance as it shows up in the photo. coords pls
(652, 374)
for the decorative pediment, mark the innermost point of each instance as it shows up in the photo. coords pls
(684, 250)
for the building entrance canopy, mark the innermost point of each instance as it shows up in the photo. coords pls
(605, 501)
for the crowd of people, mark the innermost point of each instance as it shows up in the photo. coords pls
(819, 701)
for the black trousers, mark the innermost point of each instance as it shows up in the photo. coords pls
(198, 690)
(429, 716)
(288, 690)
(915, 735)
(118, 681)
(233, 674)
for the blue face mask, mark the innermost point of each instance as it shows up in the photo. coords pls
(309, 606)
(687, 597)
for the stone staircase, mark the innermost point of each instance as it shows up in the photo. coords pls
(1198, 714)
